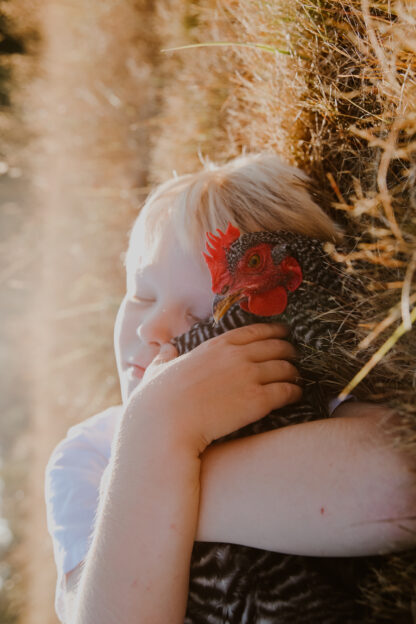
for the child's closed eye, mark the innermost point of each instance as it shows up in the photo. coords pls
(141, 299)
(148, 300)
(196, 319)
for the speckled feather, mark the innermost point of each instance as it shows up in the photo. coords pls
(235, 584)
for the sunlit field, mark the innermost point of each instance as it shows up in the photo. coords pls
(96, 108)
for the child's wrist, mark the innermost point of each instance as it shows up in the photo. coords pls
(162, 427)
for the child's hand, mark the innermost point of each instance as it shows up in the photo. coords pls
(225, 383)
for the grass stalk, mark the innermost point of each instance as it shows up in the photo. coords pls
(260, 46)
(378, 356)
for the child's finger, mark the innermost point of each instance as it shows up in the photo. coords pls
(278, 370)
(272, 349)
(167, 352)
(280, 394)
(258, 331)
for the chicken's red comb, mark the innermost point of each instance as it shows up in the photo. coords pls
(219, 244)
(216, 257)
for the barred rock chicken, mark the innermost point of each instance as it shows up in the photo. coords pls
(258, 277)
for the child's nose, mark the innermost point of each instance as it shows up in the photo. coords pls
(161, 327)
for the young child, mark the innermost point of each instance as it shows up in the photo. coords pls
(129, 490)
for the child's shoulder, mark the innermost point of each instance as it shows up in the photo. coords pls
(76, 464)
(98, 426)
(95, 433)
(72, 480)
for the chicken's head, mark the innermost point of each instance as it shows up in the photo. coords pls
(256, 270)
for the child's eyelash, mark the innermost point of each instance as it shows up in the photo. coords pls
(137, 299)
(141, 299)
(197, 319)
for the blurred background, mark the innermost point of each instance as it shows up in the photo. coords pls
(93, 113)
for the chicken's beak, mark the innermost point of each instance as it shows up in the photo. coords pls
(223, 303)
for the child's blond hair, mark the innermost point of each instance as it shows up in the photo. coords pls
(255, 192)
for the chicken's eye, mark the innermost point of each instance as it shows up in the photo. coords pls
(254, 261)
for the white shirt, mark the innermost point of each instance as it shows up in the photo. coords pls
(72, 484)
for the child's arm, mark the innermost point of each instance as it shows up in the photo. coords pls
(137, 568)
(313, 489)
(332, 487)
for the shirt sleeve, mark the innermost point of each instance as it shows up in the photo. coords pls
(335, 401)
(72, 484)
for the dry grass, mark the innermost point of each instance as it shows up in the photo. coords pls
(342, 106)
(88, 106)
(18, 261)
(193, 89)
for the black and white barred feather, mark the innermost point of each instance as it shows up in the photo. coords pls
(236, 584)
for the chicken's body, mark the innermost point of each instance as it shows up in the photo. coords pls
(234, 584)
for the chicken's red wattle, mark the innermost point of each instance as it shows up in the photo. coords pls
(267, 303)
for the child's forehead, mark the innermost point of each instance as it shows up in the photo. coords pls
(154, 242)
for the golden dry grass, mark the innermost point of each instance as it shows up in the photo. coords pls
(87, 106)
(342, 105)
